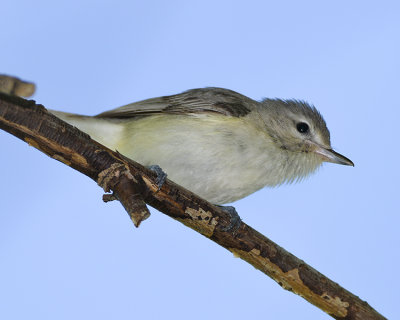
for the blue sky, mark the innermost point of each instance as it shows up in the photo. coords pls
(64, 254)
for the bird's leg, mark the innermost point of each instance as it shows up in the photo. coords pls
(234, 217)
(161, 175)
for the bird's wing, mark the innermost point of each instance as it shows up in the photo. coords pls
(215, 100)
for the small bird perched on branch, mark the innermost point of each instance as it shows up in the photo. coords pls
(216, 142)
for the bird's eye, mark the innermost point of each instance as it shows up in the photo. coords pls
(302, 127)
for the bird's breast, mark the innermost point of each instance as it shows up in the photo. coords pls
(220, 158)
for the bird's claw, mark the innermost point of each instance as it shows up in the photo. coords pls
(161, 175)
(234, 218)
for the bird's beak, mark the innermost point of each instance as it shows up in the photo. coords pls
(330, 155)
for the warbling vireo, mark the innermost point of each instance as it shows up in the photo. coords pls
(216, 142)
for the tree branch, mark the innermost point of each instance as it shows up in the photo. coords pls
(134, 185)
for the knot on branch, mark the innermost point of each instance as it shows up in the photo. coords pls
(118, 179)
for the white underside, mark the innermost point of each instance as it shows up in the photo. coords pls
(220, 158)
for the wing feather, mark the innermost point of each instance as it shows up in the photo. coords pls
(206, 100)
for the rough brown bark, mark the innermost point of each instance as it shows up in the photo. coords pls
(133, 184)
(15, 86)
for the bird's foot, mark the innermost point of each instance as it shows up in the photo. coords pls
(161, 175)
(234, 218)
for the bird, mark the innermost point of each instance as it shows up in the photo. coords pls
(218, 143)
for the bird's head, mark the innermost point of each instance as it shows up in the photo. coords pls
(297, 127)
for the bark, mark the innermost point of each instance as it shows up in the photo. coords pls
(134, 185)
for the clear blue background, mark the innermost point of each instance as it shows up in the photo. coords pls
(64, 254)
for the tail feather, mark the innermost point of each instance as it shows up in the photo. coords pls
(105, 131)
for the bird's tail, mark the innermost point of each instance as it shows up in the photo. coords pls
(105, 131)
